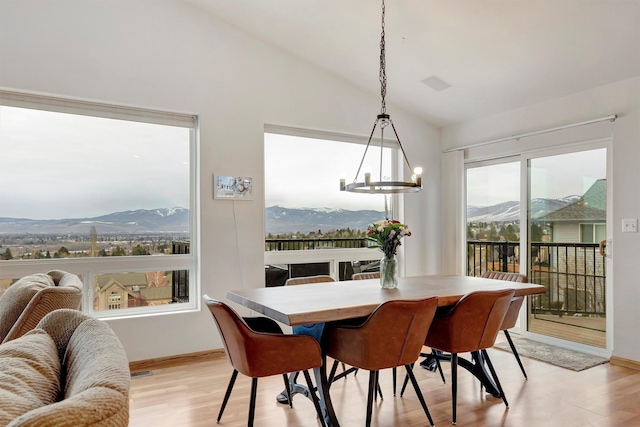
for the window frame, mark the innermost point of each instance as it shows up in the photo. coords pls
(335, 256)
(87, 268)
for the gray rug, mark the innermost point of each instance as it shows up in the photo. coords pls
(568, 359)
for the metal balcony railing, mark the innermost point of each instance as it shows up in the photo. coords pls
(312, 244)
(573, 273)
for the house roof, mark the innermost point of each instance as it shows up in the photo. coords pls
(591, 207)
(124, 279)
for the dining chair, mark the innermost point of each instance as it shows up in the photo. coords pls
(260, 354)
(472, 325)
(511, 317)
(364, 276)
(303, 281)
(308, 279)
(390, 337)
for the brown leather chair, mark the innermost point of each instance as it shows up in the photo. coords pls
(511, 318)
(364, 276)
(472, 325)
(391, 336)
(282, 398)
(308, 279)
(258, 354)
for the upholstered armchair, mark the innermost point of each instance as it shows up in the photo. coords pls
(28, 300)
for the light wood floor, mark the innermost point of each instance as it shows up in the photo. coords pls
(190, 396)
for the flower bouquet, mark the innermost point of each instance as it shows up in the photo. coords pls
(386, 236)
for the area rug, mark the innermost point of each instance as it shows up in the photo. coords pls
(564, 358)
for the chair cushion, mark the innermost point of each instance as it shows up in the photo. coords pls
(29, 374)
(14, 300)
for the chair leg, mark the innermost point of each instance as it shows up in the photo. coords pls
(454, 385)
(495, 377)
(287, 387)
(314, 397)
(252, 401)
(438, 365)
(332, 374)
(378, 390)
(405, 382)
(416, 387)
(515, 352)
(232, 381)
(395, 376)
(372, 385)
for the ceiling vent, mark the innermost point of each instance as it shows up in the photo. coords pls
(436, 83)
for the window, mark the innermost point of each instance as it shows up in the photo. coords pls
(102, 191)
(311, 227)
(592, 233)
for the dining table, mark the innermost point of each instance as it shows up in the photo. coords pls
(342, 300)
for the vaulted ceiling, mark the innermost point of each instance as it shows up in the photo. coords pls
(497, 55)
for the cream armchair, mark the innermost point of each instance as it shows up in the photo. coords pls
(28, 300)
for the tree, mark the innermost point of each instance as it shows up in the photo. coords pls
(510, 234)
(139, 250)
(7, 254)
(118, 251)
(62, 252)
(536, 233)
(93, 235)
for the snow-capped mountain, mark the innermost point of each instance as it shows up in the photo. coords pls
(304, 220)
(510, 211)
(163, 220)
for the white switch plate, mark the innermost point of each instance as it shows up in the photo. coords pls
(630, 225)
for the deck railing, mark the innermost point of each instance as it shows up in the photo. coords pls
(311, 244)
(573, 273)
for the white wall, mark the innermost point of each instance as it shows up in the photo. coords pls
(166, 55)
(621, 98)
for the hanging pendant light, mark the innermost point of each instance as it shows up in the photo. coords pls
(383, 120)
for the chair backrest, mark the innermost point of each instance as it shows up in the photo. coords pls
(473, 323)
(511, 318)
(501, 275)
(308, 279)
(363, 276)
(392, 335)
(258, 354)
(28, 300)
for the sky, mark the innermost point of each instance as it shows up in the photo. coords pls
(56, 165)
(552, 177)
(305, 172)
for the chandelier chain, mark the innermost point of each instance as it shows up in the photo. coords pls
(383, 72)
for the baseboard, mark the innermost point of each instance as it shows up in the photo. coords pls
(177, 360)
(619, 361)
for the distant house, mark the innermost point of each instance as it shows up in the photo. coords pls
(572, 254)
(124, 290)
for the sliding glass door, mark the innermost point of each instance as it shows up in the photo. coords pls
(545, 215)
(567, 229)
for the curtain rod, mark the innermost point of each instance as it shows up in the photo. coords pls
(612, 118)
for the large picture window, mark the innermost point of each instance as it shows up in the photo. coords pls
(311, 227)
(101, 191)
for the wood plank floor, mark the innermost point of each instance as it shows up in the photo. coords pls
(190, 396)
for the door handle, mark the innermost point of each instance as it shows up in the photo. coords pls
(603, 248)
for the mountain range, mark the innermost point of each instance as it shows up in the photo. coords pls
(510, 211)
(163, 220)
(277, 219)
(305, 220)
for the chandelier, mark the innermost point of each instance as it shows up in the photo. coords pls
(383, 120)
